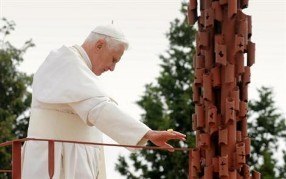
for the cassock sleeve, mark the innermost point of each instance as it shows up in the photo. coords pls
(104, 114)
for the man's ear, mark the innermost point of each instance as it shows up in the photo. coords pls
(99, 44)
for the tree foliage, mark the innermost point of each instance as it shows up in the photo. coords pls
(267, 128)
(15, 99)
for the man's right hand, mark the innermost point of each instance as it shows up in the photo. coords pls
(160, 138)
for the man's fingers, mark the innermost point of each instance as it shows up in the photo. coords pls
(166, 145)
(179, 134)
(175, 135)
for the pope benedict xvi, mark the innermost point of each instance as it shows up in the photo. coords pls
(69, 104)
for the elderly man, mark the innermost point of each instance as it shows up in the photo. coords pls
(69, 104)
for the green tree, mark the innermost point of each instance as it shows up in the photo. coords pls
(15, 98)
(266, 127)
(282, 169)
(168, 104)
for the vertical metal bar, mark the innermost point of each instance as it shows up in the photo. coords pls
(16, 160)
(190, 163)
(51, 155)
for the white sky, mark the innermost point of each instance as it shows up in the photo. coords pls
(52, 23)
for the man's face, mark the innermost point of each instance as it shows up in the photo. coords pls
(105, 58)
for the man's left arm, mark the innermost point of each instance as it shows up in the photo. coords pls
(103, 113)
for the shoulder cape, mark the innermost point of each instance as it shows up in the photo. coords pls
(65, 78)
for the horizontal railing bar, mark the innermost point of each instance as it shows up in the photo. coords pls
(107, 144)
(94, 143)
(5, 171)
(6, 144)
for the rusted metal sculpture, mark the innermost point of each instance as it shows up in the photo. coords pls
(224, 55)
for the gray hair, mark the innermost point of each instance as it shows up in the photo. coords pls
(112, 42)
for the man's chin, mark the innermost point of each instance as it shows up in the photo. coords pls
(97, 73)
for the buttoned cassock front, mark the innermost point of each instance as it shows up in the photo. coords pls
(69, 104)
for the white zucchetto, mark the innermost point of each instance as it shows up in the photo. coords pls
(111, 31)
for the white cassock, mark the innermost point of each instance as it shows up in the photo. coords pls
(68, 104)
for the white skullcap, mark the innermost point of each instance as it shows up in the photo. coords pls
(111, 31)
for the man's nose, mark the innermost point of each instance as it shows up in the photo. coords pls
(112, 68)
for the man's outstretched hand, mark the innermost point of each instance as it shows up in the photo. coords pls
(160, 138)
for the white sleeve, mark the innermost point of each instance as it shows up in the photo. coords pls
(104, 114)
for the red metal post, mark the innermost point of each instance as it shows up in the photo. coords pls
(51, 155)
(16, 160)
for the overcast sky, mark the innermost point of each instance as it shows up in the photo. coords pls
(53, 23)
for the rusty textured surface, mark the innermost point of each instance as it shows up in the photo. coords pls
(224, 55)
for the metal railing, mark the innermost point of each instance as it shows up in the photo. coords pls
(17, 144)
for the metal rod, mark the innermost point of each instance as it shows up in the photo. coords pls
(16, 160)
(51, 159)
